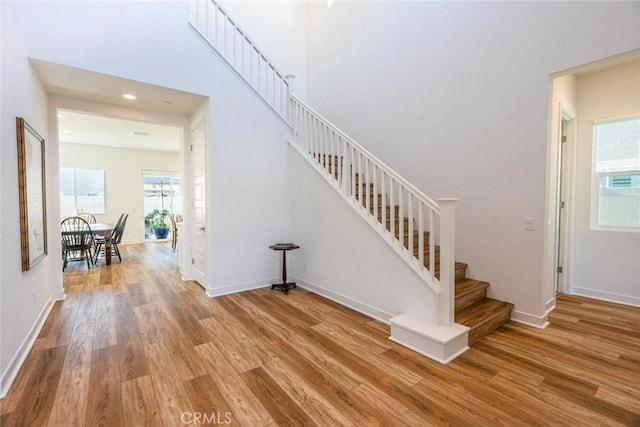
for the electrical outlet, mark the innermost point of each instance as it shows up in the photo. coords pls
(530, 224)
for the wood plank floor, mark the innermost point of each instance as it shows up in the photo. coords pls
(133, 345)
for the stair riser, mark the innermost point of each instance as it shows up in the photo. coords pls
(469, 299)
(499, 319)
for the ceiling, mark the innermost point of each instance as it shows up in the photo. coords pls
(85, 128)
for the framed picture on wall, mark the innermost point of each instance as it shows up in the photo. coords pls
(32, 193)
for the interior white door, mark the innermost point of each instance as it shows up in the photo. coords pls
(198, 240)
(561, 201)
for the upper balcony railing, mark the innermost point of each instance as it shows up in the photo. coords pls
(236, 48)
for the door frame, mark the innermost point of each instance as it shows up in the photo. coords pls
(564, 189)
(558, 111)
(188, 270)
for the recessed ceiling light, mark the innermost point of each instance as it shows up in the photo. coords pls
(67, 132)
(129, 96)
(167, 102)
(60, 115)
(139, 133)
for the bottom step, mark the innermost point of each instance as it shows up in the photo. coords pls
(484, 317)
(440, 343)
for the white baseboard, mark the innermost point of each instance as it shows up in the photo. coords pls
(353, 304)
(550, 305)
(607, 296)
(10, 373)
(540, 322)
(241, 287)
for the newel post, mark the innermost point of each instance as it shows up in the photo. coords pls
(446, 296)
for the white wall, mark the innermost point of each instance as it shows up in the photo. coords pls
(607, 264)
(148, 42)
(248, 209)
(123, 169)
(25, 297)
(341, 257)
(280, 30)
(455, 97)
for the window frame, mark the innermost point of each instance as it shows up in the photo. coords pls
(596, 176)
(75, 189)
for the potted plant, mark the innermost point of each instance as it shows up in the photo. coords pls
(157, 222)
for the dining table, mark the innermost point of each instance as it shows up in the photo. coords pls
(101, 229)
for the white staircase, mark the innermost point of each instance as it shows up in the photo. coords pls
(421, 231)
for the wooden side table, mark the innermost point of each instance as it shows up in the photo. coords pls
(284, 247)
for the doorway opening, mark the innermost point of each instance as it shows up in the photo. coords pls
(104, 161)
(162, 197)
(580, 256)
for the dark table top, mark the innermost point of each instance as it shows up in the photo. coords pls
(98, 228)
(283, 246)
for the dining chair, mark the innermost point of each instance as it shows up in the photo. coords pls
(100, 239)
(174, 231)
(88, 217)
(77, 241)
(116, 238)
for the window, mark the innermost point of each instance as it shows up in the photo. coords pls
(616, 175)
(81, 189)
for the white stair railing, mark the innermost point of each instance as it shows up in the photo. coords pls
(404, 216)
(236, 48)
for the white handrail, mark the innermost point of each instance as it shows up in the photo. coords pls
(426, 199)
(394, 207)
(220, 31)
